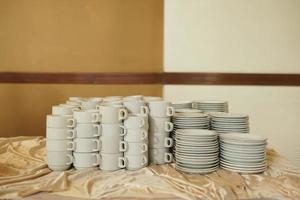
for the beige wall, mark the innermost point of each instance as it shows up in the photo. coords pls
(73, 36)
(240, 36)
(232, 36)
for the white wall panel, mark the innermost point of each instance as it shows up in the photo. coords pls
(232, 36)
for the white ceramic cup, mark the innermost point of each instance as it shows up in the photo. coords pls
(160, 124)
(86, 145)
(76, 99)
(134, 148)
(112, 98)
(160, 155)
(136, 121)
(63, 110)
(112, 114)
(59, 160)
(95, 99)
(111, 137)
(59, 133)
(85, 160)
(111, 162)
(136, 107)
(59, 145)
(87, 116)
(87, 130)
(160, 141)
(70, 106)
(152, 98)
(161, 109)
(60, 121)
(73, 103)
(134, 162)
(133, 98)
(136, 135)
(112, 103)
(89, 105)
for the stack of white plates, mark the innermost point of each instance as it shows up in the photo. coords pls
(197, 151)
(188, 119)
(229, 122)
(244, 153)
(182, 104)
(211, 106)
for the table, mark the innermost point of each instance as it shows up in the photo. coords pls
(24, 173)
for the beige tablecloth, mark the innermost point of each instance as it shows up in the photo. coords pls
(23, 172)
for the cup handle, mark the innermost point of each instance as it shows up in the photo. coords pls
(124, 130)
(168, 157)
(144, 110)
(75, 109)
(100, 159)
(71, 123)
(168, 142)
(96, 117)
(142, 123)
(144, 161)
(70, 158)
(100, 130)
(97, 159)
(71, 134)
(123, 113)
(144, 134)
(100, 144)
(144, 147)
(168, 126)
(72, 144)
(123, 146)
(97, 145)
(170, 111)
(122, 162)
(97, 130)
(100, 116)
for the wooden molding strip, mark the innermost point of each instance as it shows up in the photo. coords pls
(81, 78)
(232, 79)
(153, 78)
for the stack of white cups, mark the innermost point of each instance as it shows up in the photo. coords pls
(86, 143)
(111, 137)
(136, 137)
(60, 133)
(160, 128)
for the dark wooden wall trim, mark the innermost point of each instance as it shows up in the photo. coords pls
(232, 79)
(81, 78)
(153, 78)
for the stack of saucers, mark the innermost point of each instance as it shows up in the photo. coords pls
(197, 151)
(244, 153)
(229, 122)
(211, 106)
(188, 119)
(182, 104)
